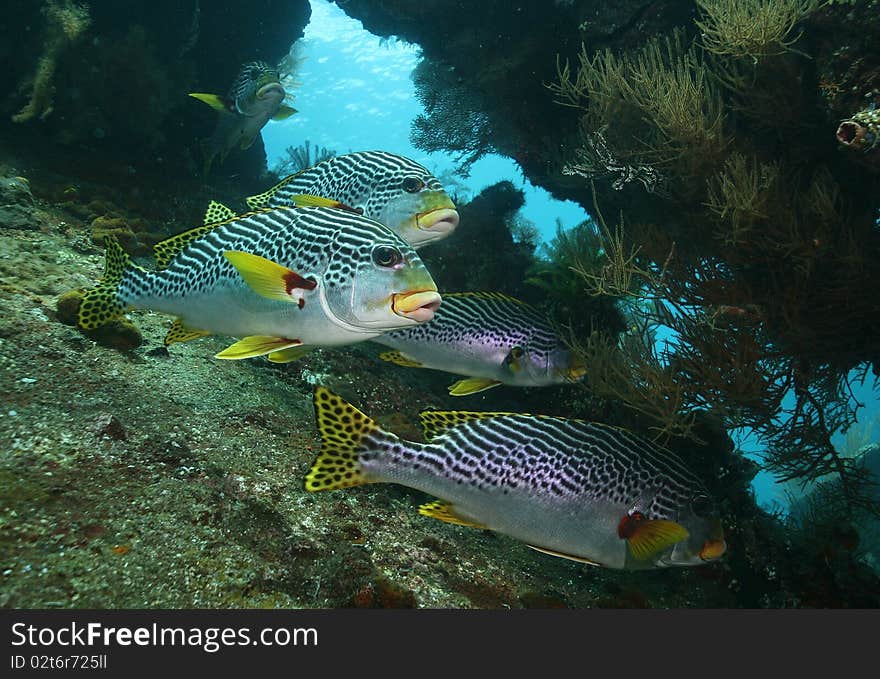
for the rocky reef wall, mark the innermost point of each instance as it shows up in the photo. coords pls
(103, 84)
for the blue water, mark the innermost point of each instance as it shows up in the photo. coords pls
(355, 93)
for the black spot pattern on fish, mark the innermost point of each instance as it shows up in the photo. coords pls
(482, 319)
(559, 458)
(368, 180)
(305, 240)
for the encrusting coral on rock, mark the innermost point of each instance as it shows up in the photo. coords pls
(66, 21)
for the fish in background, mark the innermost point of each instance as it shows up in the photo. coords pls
(392, 189)
(580, 490)
(490, 338)
(283, 279)
(256, 96)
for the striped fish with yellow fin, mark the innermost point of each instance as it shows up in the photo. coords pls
(282, 279)
(390, 188)
(491, 339)
(256, 96)
(581, 490)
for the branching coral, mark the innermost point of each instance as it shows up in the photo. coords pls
(66, 21)
(741, 195)
(449, 124)
(752, 28)
(301, 157)
(644, 114)
(731, 330)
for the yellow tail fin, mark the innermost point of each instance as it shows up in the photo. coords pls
(342, 428)
(101, 305)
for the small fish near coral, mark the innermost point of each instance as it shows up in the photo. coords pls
(489, 337)
(256, 97)
(387, 187)
(570, 488)
(283, 279)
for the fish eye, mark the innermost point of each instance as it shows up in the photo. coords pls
(412, 184)
(702, 505)
(387, 256)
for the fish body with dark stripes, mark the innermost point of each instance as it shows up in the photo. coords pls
(283, 279)
(390, 188)
(570, 488)
(489, 337)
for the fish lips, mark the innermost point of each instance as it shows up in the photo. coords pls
(713, 549)
(417, 306)
(269, 90)
(440, 221)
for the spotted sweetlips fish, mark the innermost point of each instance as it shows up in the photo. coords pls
(282, 279)
(255, 97)
(571, 488)
(392, 189)
(489, 337)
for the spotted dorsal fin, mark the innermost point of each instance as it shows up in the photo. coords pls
(436, 422)
(164, 251)
(261, 200)
(445, 511)
(218, 212)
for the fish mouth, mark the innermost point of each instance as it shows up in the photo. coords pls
(440, 221)
(267, 90)
(713, 550)
(417, 306)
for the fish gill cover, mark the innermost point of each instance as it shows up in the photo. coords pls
(727, 154)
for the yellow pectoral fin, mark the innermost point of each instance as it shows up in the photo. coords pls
(399, 359)
(444, 511)
(284, 112)
(308, 200)
(651, 537)
(268, 279)
(217, 212)
(471, 385)
(288, 355)
(180, 333)
(214, 101)
(256, 345)
(563, 555)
